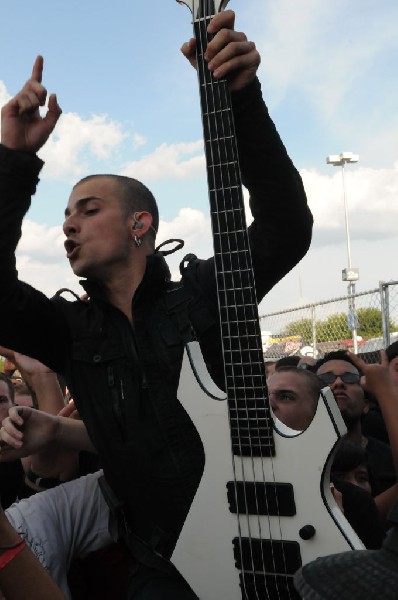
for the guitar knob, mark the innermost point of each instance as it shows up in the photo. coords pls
(307, 532)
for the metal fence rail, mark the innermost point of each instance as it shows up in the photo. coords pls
(314, 329)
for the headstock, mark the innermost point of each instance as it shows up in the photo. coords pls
(204, 8)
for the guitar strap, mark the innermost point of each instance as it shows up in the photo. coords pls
(184, 303)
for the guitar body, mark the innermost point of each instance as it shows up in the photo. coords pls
(205, 550)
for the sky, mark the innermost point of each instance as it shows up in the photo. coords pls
(130, 106)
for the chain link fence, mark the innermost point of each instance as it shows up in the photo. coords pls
(366, 321)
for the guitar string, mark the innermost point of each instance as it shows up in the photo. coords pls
(204, 79)
(259, 359)
(230, 157)
(222, 87)
(241, 226)
(222, 135)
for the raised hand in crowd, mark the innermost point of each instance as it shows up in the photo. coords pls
(377, 380)
(22, 125)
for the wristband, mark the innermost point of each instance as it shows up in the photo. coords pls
(11, 552)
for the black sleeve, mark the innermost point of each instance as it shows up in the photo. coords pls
(280, 234)
(29, 321)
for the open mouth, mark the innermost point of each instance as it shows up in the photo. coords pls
(71, 248)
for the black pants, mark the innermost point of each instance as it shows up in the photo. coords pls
(148, 584)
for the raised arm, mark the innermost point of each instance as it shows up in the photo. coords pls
(23, 576)
(22, 126)
(281, 232)
(27, 431)
(24, 130)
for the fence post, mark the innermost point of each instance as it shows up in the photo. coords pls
(385, 311)
(313, 318)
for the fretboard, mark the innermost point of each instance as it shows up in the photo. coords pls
(250, 420)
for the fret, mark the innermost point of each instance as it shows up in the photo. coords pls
(252, 406)
(255, 407)
(220, 157)
(251, 451)
(236, 410)
(258, 442)
(251, 423)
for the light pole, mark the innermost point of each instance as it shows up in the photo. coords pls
(351, 274)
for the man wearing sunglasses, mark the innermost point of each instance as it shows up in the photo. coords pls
(338, 371)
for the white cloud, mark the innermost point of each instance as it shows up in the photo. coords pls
(39, 241)
(322, 47)
(4, 95)
(371, 201)
(138, 141)
(75, 141)
(168, 161)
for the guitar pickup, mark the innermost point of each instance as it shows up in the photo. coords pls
(259, 498)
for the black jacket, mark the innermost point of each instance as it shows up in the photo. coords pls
(125, 383)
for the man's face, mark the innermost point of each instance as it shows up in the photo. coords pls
(350, 397)
(99, 239)
(291, 399)
(5, 400)
(394, 371)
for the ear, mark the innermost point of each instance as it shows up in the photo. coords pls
(141, 222)
(366, 405)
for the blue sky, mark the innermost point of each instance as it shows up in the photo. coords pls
(130, 105)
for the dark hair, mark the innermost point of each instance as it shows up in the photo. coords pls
(10, 386)
(287, 361)
(135, 196)
(392, 351)
(349, 455)
(336, 355)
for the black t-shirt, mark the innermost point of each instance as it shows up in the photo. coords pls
(361, 512)
(381, 466)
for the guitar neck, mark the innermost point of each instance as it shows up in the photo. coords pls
(251, 424)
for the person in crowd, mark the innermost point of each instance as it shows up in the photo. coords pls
(392, 357)
(287, 361)
(339, 371)
(121, 350)
(371, 573)
(350, 476)
(11, 473)
(293, 396)
(59, 525)
(350, 464)
(7, 395)
(269, 367)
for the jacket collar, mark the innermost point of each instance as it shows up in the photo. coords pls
(156, 277)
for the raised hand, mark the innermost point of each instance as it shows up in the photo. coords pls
(25, 431)
(229, 54)
(22, 126)
(376, 376)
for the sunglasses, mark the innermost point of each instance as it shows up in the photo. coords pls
(347, 377)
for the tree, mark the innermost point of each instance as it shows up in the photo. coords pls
(370, 322)
(302, 327)
(335, 327)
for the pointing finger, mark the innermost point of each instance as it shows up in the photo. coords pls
(37, 71)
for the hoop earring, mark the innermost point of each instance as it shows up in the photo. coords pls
(137, 241)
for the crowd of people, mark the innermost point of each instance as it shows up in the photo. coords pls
(363, 474)
(95, 491)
